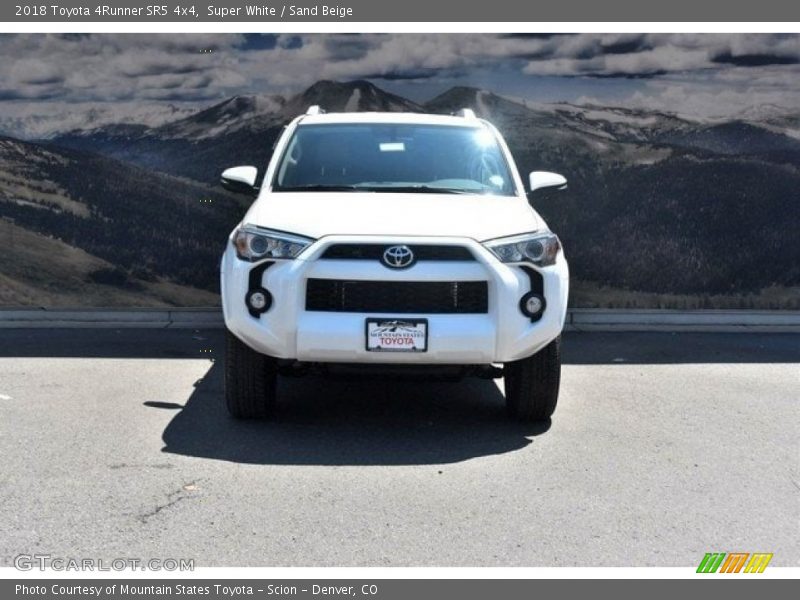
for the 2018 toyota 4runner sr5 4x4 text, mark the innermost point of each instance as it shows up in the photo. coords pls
(393, 242)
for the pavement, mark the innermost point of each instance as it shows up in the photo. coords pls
(115, 443)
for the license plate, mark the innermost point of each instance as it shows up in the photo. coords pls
(397, 335)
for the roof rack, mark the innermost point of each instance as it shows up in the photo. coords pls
(466, 113)
(315, 109)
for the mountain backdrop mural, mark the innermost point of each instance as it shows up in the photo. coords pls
(117, 203)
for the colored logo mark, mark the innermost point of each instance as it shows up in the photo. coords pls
(734, 562)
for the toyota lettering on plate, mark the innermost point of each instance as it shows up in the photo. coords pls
(397, 335)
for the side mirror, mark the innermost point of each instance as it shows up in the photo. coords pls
(241, 180)
(546, 179)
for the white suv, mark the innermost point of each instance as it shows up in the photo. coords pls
(392, 242)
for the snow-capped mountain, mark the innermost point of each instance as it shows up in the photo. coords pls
(223, 118)
(241, 128)
(351, 96)
(611, 123)
(45, 121)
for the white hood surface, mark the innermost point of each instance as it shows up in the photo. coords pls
(317, 214)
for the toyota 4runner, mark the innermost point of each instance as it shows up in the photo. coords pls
(396, 242)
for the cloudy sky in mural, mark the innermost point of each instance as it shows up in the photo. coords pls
(692, 74)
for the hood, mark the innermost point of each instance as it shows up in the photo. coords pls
(318, 214)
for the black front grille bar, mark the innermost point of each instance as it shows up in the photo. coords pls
(375, 252)
(397, 297)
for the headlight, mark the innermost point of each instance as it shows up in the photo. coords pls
(254, 244)
(540, 249)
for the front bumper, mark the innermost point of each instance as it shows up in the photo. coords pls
(287, 330)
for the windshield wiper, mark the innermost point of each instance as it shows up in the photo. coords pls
(421, 189)
(321, 187)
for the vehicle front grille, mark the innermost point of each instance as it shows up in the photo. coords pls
(375, 252)
(398, 297)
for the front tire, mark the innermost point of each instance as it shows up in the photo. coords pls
(532, 384)
(250, 380)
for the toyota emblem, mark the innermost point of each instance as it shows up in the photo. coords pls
(398, 257)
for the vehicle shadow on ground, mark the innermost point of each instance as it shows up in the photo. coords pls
(325, 421)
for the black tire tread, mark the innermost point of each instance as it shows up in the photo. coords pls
(532, 384)
(250, 380)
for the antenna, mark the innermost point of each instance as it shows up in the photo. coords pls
(315, 109)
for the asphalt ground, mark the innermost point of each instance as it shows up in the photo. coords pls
(115, 443)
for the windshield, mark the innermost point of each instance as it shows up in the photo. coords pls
(394, 158)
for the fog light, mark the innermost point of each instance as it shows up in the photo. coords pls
(259, 300)
(532, 305)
